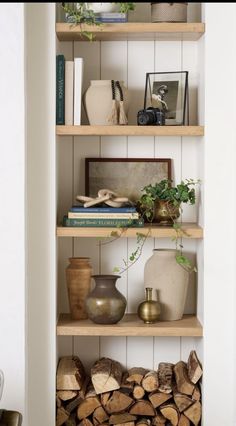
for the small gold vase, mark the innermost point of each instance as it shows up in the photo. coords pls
(149, 310)
(165, 212)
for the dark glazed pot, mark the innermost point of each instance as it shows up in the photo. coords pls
(105, 304)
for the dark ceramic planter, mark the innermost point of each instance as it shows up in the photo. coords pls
(105, 304)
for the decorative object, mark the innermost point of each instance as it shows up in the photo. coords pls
(124, 176)
(8, 418)
(103, 7)
(168, 92)
(169, 12)
(105, 196)
(166, 276)
(105, 304)
(161, 202)
(106, 102)
(78, 277)
(149, 310)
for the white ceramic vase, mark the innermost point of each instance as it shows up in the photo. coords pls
(98, 102)
(165, 275)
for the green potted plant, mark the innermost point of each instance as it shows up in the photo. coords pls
(161, 204)
(83, 13)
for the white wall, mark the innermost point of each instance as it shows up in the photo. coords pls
(12, 214)
(220, 215)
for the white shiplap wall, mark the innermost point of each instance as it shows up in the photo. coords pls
(127, 61)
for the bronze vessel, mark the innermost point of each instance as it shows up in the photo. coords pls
(165, 212)
(105, 304)
(149, 310)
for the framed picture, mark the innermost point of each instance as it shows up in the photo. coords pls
(168, 91)
(124, 176)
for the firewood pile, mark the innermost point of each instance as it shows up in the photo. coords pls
(169, 396)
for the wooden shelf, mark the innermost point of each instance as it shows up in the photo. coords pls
(130, 130)
(133, 31)
(191, 230)
(130, 325)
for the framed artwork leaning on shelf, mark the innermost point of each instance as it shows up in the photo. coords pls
(124, 176)
(168, 91)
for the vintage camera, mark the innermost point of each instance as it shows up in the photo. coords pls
(151, 117)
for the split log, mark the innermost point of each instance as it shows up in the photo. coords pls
(184, 385)
(70, 373)
(170, 412)
(90, 391)
(158, 420)
(104, 397)
(150, 381)
(62, 416)
(84, 387)
(106, 375)
(158, 398)
(194, 367)
(66, 395)
(126, 387)
(59, 403)
(87, 407)
(183, 421)
(73, 404)
(196, 394)
(136, 374)
(194, 413)
(182, 401)
(121, 418)
(165, 374)
(126, 424)
(85, 422)
(143, 422)
(99, 416)
(142, 408)
(138, 392)
(71, 421)
(118, 402)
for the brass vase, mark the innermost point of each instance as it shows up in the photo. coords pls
(105, 304)
(165, 212)
(149, 310)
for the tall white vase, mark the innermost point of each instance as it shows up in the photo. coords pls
(165, 275)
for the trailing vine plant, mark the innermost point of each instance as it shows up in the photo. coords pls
(174, 196)
(80, 13)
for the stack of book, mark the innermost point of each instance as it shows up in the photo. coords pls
(69, 78)
(102, 217)
(111, 17)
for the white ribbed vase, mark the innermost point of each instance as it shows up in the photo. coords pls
(98, 102)
(165, 275)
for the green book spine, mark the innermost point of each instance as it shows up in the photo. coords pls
(60, 89)
(99, 223)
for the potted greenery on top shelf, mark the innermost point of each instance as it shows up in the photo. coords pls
(83, 13)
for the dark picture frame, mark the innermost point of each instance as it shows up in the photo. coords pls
(125, 176)
(176, 96)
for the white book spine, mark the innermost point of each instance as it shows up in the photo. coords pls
(78, 78)
(69, 93)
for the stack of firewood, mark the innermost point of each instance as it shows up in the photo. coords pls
(169, 396)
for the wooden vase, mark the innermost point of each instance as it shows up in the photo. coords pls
(78, 278)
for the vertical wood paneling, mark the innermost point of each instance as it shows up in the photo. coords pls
(166, 350)
(114, 67)
(140, 352)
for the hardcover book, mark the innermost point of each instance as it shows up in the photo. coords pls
(69, 93)
(60, 89)
(103, 223)
(80, 209)
(78, 79)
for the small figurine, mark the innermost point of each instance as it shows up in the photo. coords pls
(104, 196)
